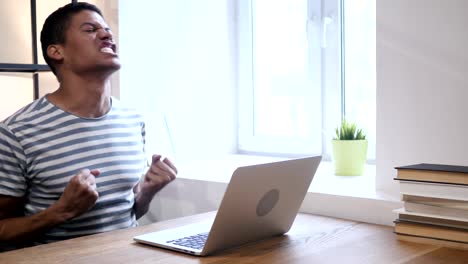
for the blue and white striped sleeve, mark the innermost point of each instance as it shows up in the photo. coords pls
(143, 135)
(12, 164)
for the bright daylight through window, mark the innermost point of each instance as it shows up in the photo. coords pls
(303, 66)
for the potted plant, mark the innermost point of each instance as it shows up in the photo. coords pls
(349, 149)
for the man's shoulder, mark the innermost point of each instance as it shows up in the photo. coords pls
(30, 111)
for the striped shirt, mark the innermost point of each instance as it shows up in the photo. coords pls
(42, 147)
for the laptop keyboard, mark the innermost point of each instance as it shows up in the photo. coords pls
(195, 242)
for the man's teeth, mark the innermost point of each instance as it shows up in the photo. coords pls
(107, 50)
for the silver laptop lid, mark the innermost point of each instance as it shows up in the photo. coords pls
(261, 201)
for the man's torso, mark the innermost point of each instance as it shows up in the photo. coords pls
(54, 145)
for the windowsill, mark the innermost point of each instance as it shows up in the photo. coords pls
(349, 197)
(325, 181)
(220, 170)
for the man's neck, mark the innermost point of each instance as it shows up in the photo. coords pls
(84, 97)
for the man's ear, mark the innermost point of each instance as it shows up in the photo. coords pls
(55, 52)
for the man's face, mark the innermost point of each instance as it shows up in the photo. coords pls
(89, 45)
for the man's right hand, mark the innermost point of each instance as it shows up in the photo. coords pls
(80, 194)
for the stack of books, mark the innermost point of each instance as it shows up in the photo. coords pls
(435, 205)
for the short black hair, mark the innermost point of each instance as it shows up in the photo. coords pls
(56, 24)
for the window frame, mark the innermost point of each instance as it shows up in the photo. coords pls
(33, 67)
(328, 74)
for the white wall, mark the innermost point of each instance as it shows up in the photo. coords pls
(178, 60)
(422, 85)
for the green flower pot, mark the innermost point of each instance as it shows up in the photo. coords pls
(349, 157)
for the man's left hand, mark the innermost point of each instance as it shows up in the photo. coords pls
(160, 173)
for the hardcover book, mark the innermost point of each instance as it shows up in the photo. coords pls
(436, 201)
(434, 173)
(436, 206)
(431, 231)
(434, 190)
(433, 241)
(431, 219)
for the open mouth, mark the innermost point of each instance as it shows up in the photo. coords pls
(108, 48)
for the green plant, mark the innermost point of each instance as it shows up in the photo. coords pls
(348, 131)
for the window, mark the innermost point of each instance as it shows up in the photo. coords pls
(360, 66)
(301, 70)
(22, 69)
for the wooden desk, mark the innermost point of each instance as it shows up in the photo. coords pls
(312, 239)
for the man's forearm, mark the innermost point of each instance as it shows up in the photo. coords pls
(23, 230)
(142, 202)
(161, 173)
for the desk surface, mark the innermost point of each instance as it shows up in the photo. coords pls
(312, 239)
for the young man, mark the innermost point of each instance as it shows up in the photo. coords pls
(71, 161)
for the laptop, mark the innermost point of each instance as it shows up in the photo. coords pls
(260, 201)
